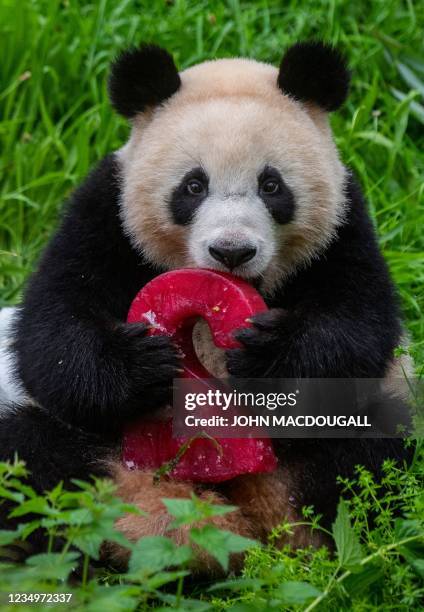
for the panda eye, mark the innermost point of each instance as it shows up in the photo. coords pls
(276, 195)
(270, 187)
(195, 187)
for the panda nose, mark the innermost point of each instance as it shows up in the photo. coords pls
(232, 256)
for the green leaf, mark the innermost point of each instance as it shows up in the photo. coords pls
(37, 505)
(359, 582)
(220, 543)
(189, 511)
(418, 566)
(416, 108)
(56, 492)
(348, 547)
(9, 536)
(411, 78)
(407, 528)
(53, 566)
(12, 495)
(155, 553)
(113, 598)
(183, 605)
(89, 543)
(292, 592)
(412, 552)
(161, 578)
(22, 487)
(251, 606)
(375, 138)
(80, 516)
(182, 509)
(112, 535)
(28, 528)
(240, 584)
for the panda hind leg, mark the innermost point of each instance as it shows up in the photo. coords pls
(268, 500)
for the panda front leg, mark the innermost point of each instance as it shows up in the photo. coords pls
(305, 344)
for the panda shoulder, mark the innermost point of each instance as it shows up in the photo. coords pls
(100, 191)
(89, 234)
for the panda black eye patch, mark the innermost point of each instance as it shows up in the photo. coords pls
(276, 195)
(188, 195)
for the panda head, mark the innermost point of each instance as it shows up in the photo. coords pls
(231, 164)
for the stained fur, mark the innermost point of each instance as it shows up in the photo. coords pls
(264, 501)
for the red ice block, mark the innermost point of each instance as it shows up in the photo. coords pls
(149, 444)
(171, 304)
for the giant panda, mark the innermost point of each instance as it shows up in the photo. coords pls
(230, 165)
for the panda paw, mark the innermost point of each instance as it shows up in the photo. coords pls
(152, 364)
(261, 346)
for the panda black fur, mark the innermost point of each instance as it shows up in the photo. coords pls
(333, 309)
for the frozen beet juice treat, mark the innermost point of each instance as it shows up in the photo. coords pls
(171, 304)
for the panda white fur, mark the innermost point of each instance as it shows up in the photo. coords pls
(230, 165)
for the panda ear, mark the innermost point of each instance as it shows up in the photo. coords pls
(315, 72)
(142, 77)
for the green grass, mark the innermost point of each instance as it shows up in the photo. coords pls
(56, 121)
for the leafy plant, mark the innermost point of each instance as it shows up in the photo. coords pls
(373, 563)
(76, 524)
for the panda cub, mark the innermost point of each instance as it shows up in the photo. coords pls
(230, 165)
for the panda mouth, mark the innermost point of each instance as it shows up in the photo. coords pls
(240, 272)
